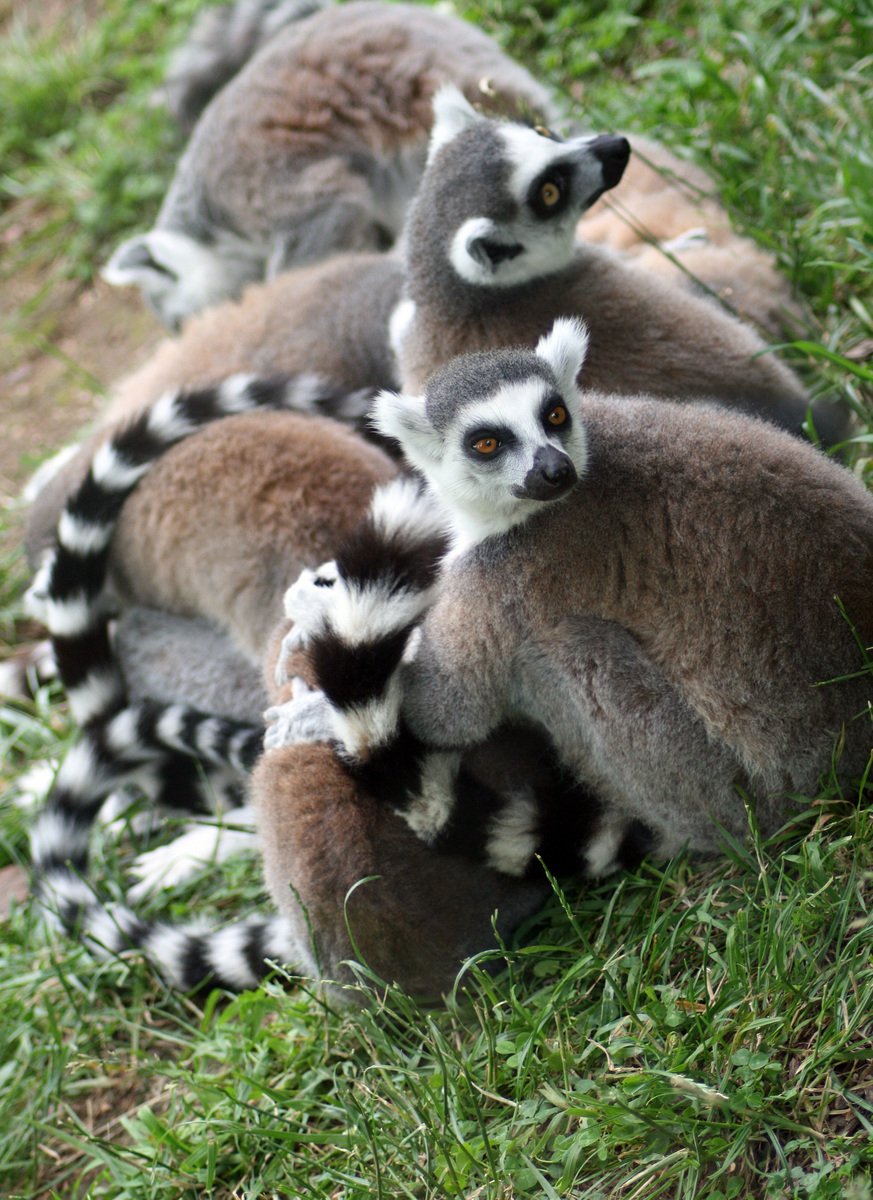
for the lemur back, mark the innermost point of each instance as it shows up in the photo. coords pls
(222, 39)
(316, 146)
(614, 583)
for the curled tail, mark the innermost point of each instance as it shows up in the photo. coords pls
(153, 744)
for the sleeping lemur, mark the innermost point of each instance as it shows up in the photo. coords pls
(680, 598)
(316, 146)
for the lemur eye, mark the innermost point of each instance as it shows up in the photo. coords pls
(557, 415)
(550, 193)
(486, 445)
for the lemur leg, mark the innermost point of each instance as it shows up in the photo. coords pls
(629, 733)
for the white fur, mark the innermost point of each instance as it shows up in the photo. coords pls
(399, 323)
(565, 348)
(56, 832)
(361, 615)
(99, 692)
(81, 536)
(404, 508)
(429, 812)
(529, 154)
(112, 472)
(513, 835)
(166, 420)
(70, 617)
(204, 844)
(452, 113)
(366, 727)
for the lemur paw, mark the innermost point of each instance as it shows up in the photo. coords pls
(307, 603)
(202, 845)
(307, 717)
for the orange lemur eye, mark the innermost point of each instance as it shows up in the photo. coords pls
(550, 193)
(557, 415)
(543, 131)
(485, 445)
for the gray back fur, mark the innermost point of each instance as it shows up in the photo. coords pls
(315, 146)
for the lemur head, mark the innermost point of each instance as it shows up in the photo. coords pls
(499, 201)
(497, 434)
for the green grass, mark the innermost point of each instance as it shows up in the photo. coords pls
(699, 1031)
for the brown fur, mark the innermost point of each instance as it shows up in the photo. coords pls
(416, 922)
(670, 621)
(227, 519)
(282, 327)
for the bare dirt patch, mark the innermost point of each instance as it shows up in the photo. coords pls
(62, 345)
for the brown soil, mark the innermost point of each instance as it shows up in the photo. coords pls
(62, 345)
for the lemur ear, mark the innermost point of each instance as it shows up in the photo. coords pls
(402, 417)
(452, 113)
(564, 348)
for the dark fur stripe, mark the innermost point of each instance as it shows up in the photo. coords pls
(569, 816)
(392, 775)
(352, 676)
(637, 843)
(79, 657)
(368, 558)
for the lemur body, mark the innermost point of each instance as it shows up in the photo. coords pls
(316, 146)
(222, 40)
(657, 589)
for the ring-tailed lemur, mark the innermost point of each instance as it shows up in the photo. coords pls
(316, 146)
(495, 262)
(613, 582)
(321, 835)
(121, 741)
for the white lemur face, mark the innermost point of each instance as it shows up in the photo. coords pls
(497, 434)
(538, 187)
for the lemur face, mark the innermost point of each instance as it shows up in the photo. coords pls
(497, 434)
(523, 189)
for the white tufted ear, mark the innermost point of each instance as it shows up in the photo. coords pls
(452, 113)
(403, 417)
(564, 348)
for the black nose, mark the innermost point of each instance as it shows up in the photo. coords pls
(551, 475)
(613, 153)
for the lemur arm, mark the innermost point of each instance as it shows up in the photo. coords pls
(358, 618)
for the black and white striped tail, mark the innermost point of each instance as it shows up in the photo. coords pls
(147, 742)
(71, 590)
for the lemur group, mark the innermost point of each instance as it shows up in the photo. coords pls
(462, 534)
